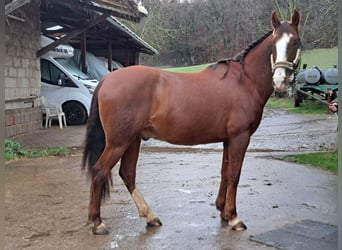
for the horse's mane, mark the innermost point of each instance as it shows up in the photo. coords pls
(240, 57)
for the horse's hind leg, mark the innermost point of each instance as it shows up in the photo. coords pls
(100, 174)
(128, 173)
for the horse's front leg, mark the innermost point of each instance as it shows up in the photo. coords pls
(221, 197)
(231, 175)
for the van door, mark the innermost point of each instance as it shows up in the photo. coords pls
(51, 84)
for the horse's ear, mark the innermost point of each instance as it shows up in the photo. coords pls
(295, 18)
(275, 20)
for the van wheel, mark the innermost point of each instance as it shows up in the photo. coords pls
(75, 113)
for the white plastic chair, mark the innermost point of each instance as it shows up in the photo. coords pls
(53, 111)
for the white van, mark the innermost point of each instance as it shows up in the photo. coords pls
(64, 84)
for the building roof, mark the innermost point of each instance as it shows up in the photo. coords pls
(127, 9)
(143, 45)
(97, 18)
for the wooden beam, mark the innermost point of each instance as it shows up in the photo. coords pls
(72, 34)
(15, 4)
(83, 53)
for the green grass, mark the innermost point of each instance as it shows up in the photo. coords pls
(322, 58)
(306, 107)
(189, 69)
(14, 151)
(323, 160)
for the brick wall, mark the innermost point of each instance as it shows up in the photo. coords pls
(22, 71)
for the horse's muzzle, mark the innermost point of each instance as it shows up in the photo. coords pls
(280, 82)
(280, 88)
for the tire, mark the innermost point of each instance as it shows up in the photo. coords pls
(75, 113)
(279, 94)
(297, 99)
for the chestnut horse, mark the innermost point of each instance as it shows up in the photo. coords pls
(222, 103)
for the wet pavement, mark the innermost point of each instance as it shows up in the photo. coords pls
(47, 199)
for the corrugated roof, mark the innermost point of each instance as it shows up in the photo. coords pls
(115, 22)
(127, 9)
(15, 4)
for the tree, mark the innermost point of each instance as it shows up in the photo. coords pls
(189, 32)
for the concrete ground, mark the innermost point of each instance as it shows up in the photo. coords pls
(47, 199)
(284, 205)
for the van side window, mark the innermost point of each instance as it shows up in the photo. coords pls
(49, 72)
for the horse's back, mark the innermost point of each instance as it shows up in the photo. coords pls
(131, 77)
(146, 84)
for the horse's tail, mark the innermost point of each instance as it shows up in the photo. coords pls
(95, 141)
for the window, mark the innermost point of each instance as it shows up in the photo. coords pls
(49, 72)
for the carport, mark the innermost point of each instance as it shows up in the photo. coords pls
(96, 26)
(92, 26)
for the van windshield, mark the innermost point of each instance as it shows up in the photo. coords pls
(70, 66)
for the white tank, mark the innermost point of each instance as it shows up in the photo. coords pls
(330, 76)
(309, 76)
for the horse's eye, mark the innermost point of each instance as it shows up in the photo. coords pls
(295, 42)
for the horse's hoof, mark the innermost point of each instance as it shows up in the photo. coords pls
(154, 222)
(223, 218)
(100, 229)
(237, 224)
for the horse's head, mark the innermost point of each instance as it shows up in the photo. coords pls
(285, 55)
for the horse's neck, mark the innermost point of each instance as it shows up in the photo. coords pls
(259, 61)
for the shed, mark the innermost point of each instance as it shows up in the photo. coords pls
(91, 25)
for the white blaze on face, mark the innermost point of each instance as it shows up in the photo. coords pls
(279, 74)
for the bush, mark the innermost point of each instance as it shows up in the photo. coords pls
(324, 160)
(14, 150)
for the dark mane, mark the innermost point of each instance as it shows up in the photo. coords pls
(241, 56)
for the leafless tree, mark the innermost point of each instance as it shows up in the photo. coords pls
(190, 32)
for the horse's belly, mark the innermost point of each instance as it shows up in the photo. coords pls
(183, 137)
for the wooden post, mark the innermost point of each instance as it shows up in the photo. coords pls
(110, 52)
(83, 53)
(128, 62)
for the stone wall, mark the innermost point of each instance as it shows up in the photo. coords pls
(22, 71)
